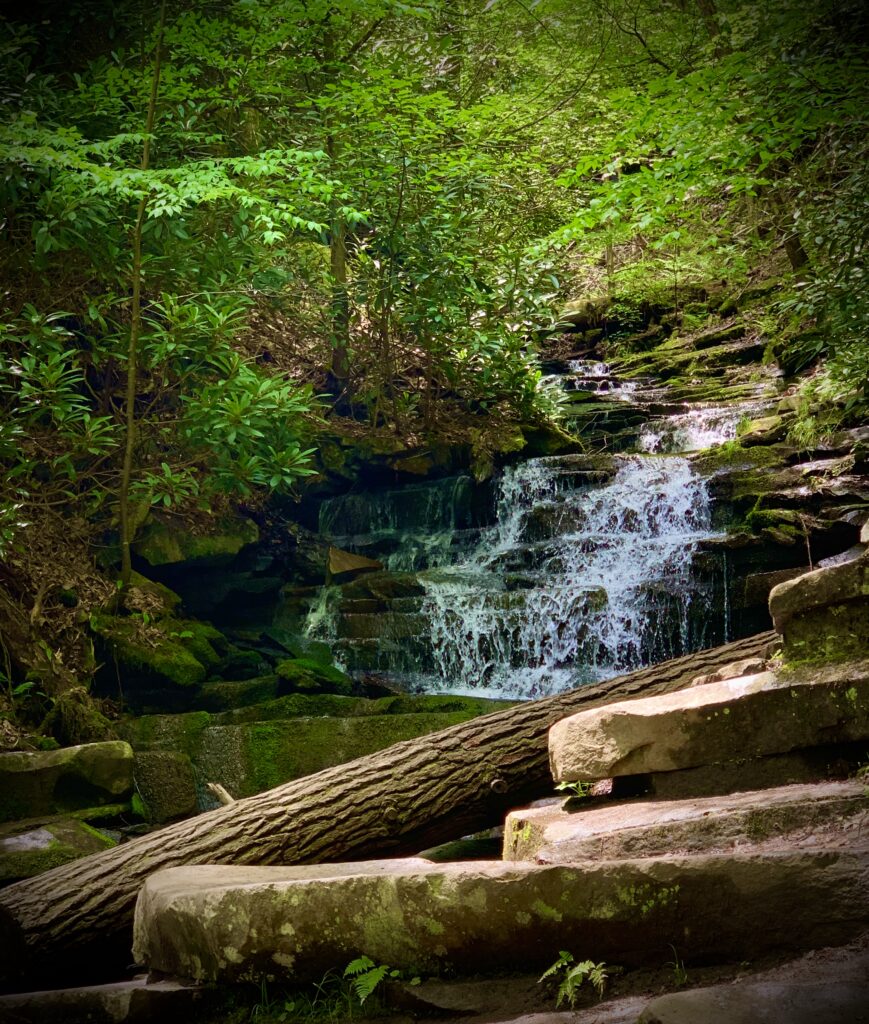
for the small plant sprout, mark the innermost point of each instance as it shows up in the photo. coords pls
(572, 975)
(677, 965)
(577, 790)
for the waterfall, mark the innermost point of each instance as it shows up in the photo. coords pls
(572, 584)
(571, 570)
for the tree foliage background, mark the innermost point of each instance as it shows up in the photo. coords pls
(367, 212)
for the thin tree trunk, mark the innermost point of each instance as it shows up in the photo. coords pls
(136, 325)
(76, 920)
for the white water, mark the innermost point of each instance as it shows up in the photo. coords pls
(574, 582)
(693, 430)
(599, 597)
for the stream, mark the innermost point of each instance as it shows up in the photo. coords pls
(567, 569)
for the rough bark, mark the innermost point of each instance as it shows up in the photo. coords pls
(398, 801)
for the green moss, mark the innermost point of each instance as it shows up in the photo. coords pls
(168, 660)
(732, 455)
(275, 752)
(162, 543)
(182, 733)
(305, 675)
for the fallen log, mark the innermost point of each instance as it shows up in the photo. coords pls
(76, 920)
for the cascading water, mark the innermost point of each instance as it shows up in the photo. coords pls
(572, 584)
(586, 569)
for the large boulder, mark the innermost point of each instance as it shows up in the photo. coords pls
(56, 781)
(223, 923)
(737, 718)
(824, 615)
(29, 848)
(643, 828)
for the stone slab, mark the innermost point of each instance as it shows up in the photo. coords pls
(133, 1002)
(234, 924)
(55, 781)
(738, 718)
(764, 1003)
(824, 615)
(812, 764)
(649, 827)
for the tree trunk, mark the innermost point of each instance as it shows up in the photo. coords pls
(77, 919)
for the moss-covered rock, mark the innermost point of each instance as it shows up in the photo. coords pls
(57, 781)
(226, 696)
(304, 675)
(144, 594)
(824, 615)
(155, 659)
(28, 849)
(74, 719)
(164, 543)
(241, 664)
(166, 784)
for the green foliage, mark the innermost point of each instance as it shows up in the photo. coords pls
(571, 976)
(680, 972)
(577, 790)
(365, 976)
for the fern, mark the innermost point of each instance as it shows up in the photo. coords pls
(366, 976)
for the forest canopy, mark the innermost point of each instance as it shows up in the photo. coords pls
(225, 223)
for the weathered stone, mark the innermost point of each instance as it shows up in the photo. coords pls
(238, 924)
(166, 784)
(738, 718)
(27, 849)
(824, 615)
(817, 1002)
(133, 1002)
(55, 781)
(644, 828)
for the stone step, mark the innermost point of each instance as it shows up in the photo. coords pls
(134, 1002)
(646, 828)
(765, 713)
(233, 924)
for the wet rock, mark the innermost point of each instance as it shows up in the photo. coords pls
(747, 717)
(29, 848)
(795, 1002)
(166, 784)
(766, 430)
(824, 615)
(649, 827)
(248, 923)
(55, 781)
